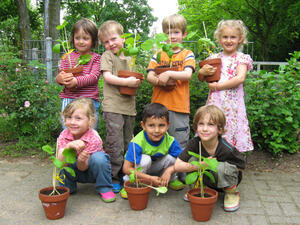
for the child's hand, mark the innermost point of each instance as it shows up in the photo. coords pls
(213, 86)
(207, 70)
(78, 145)
(63, 78)
(156, 181)
(83, 161)
(165, 178)
(133, 82)
(72, 83)
(164, 78)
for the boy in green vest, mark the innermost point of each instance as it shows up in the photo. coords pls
(155, 150)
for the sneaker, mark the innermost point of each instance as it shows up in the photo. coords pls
(231, 199)
(116, 188)
(108, 196)
(176, 185)
(123, 194)
(185, 197)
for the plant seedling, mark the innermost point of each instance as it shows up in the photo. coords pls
(203, 168)
(66, 46)
(70, 157)
(134, 46)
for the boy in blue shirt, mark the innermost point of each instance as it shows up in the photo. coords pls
(155, 150)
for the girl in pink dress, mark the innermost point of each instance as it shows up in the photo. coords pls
(228, 92)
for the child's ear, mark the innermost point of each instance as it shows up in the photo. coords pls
(143, 125)
(184, 35)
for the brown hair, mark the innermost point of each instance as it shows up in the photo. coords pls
(174, 21)
(109, 27)
(216, 116)
(88, 27)
(83, 103)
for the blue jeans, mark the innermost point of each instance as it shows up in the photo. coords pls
(66, 101)
(99, 172)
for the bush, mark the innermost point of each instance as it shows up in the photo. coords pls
(272, 100)
(29, 106)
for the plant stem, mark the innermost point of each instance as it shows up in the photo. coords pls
(54, 173)
(200, 172)
(135, 166)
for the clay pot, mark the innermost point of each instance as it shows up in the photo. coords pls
(54, 205)
(75, 71)
(128, 90)
(160, 69)
(202, 208)
(137, 197)
(215, 63)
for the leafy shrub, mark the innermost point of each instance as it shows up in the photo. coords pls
(272, 100)
(29, 105)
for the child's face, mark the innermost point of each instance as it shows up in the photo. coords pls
(155, 128)
(78, 123)
(83, 42)
(207, 130)
(230, 40)
(113, 42)
(176, 35)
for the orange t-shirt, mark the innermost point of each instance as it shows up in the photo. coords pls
(177, 100)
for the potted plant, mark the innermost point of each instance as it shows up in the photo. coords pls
(54, 198)
(65, 45)
(138, 190)
(207, 47)
(133, 47)
(202, 199)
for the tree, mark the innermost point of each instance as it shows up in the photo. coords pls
(267, 21)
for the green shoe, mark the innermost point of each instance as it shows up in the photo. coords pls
(123, 193)
(176, 185)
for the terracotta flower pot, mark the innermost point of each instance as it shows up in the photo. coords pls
(215, 63)
(54, 205)
(137, 197)
(128, 90)
(75, 71)
(160, 69)
(202, 208)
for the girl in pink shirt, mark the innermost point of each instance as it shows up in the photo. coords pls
(92, 164)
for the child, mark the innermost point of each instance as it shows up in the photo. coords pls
(118, 110)
(92, 165)
(228, 93)
(177, 100)
(155, 150)
(84, 37)
(209, 122)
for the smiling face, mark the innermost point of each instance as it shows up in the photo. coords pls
(155, 127)
(77, 123)
(82, 42)
(113, 42)
(207, 130)
(229, 40)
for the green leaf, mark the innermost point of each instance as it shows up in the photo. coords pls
(70, 155)
(196, 163)
(147, 45)
(56, 162)
(133, 51)
(139, 169)
(56, 48)
(191, 177)
(158, 57)
(60, 27)
(209, 174)
(161, 190)
(194, 154)
(126, 35)
(70, 171)
(48, 149)
(131, 176)
(129, 41)
(83, 59)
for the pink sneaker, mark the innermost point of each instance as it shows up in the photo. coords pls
(108, 196)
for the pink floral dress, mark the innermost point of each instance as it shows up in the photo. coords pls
(231, 102)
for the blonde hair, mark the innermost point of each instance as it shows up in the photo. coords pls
(216, 116)
(110, 27)
(235, 24)
(83, 103)
(174, 21)
(88, 27)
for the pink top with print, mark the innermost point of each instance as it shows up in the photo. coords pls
(91, 138)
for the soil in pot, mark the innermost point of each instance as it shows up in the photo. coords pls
(202, 208)
(137, 196)
(215, 63)
(54, 205)
(160, 69)
(128, 90)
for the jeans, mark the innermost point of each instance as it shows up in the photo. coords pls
(98, 172)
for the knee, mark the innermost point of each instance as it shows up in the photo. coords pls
(99, 159)
(145, 162)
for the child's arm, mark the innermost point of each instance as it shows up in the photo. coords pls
(115, 80)
(63, 78)
(166, 176)
(184, 75)
(128, 166)
(206, 70)
(181, 166)
(232, 83)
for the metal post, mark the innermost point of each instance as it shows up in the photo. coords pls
(35, 57)
(49, 59)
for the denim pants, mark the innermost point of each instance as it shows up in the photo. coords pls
(66, 101)
(98, 172)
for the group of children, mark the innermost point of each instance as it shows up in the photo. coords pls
(161, 148)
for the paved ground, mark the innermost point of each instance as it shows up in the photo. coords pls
(266, 198)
